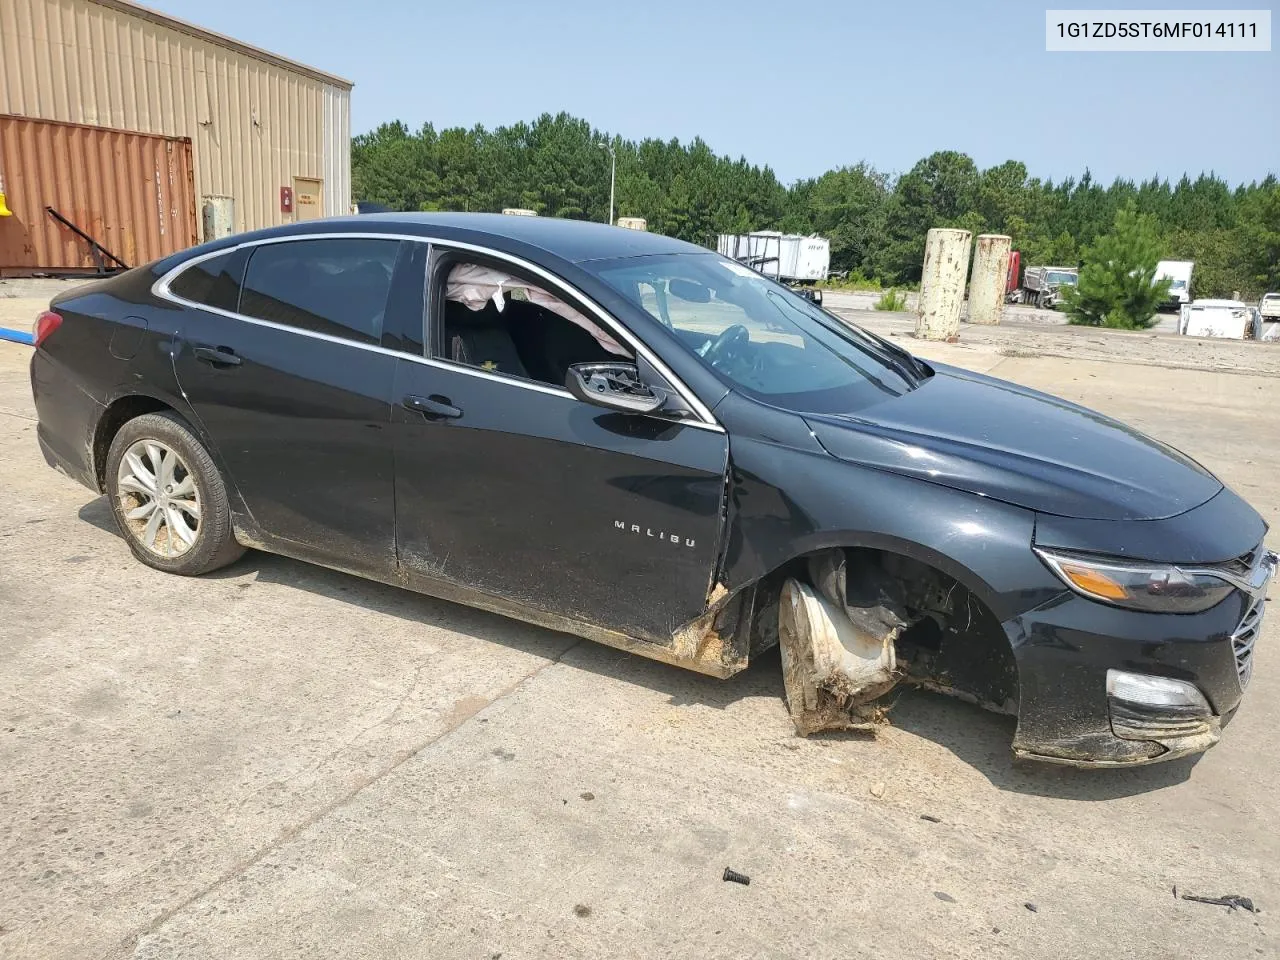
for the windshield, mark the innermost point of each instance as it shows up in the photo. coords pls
(1067, 278)
(760, 337)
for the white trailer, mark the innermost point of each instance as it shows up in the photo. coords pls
(1178, 273)
(786, 257)
(1227, 319)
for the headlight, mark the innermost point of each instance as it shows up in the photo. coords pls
(1153, 587)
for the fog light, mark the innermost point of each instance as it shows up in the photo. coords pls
(1156, 708)
(1142, 690)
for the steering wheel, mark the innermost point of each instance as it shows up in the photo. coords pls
(725, 343)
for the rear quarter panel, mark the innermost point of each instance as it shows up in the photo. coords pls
(115, 341)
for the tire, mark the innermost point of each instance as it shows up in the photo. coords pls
(187, 529)
(831, 668)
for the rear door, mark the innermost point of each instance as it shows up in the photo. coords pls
(293, 389)
(509, 486)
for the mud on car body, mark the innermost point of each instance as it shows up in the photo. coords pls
(637, 441)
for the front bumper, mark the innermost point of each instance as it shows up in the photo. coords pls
(1066, 647)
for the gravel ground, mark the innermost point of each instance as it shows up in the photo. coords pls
(1016, 337)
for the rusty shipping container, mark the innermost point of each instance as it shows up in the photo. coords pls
(134, 193)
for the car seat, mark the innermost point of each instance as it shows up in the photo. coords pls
(479, 338)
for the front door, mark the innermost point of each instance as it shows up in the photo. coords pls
(507, 485)
(284, 382)
(308, 199)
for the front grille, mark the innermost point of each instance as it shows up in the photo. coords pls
(1242, 566)
(1243, 639)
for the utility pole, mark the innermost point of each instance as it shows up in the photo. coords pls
(613, 173)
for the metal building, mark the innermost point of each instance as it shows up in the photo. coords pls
(149, 134)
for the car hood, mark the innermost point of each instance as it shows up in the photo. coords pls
(1000, 440)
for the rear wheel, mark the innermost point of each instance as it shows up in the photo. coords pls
(168, 497)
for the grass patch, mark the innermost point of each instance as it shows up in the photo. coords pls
(892, 300)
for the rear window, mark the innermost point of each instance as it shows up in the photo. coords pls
(211, 283)
(337, 287)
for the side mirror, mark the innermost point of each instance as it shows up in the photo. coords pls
(616, 386)
(812, 294)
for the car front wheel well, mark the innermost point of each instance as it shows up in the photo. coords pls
(117, 414)
(947, 638)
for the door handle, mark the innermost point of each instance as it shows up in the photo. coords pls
(217, 356)
(434, 407)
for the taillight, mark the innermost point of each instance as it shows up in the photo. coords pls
(46, 323)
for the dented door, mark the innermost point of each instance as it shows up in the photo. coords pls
(527, 494)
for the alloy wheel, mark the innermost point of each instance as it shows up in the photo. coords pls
(159, 500)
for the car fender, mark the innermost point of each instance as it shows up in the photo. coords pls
(786, 503)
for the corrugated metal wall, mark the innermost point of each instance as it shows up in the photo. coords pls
(337, 151)
(131, 192)
(255, 123)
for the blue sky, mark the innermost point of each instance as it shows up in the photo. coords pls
(802, 87)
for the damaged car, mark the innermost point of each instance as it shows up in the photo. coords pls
(643, 443)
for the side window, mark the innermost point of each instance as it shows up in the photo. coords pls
(335, 286)
(503, 323)
(211, 283)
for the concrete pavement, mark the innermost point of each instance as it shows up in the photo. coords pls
(279, 760)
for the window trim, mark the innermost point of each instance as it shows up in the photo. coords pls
(555, 285)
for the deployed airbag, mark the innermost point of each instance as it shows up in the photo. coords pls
(474, 286)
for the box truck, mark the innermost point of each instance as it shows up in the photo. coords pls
(1178, 273)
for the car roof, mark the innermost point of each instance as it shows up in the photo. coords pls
(572, 240)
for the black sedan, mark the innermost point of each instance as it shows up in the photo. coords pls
(637, 441)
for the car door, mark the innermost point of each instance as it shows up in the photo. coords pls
(509, 486)
(286, 374)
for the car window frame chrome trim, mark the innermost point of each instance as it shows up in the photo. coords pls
(707, 421)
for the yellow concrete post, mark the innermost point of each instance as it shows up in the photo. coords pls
(946, 265)
(990, 275)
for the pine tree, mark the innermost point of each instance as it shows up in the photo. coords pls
(876, 222)
(1118, 285)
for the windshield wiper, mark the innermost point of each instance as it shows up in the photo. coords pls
(899, 358)
(922, 372)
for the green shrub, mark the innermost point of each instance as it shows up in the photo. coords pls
(853, 280)
(892, 300)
